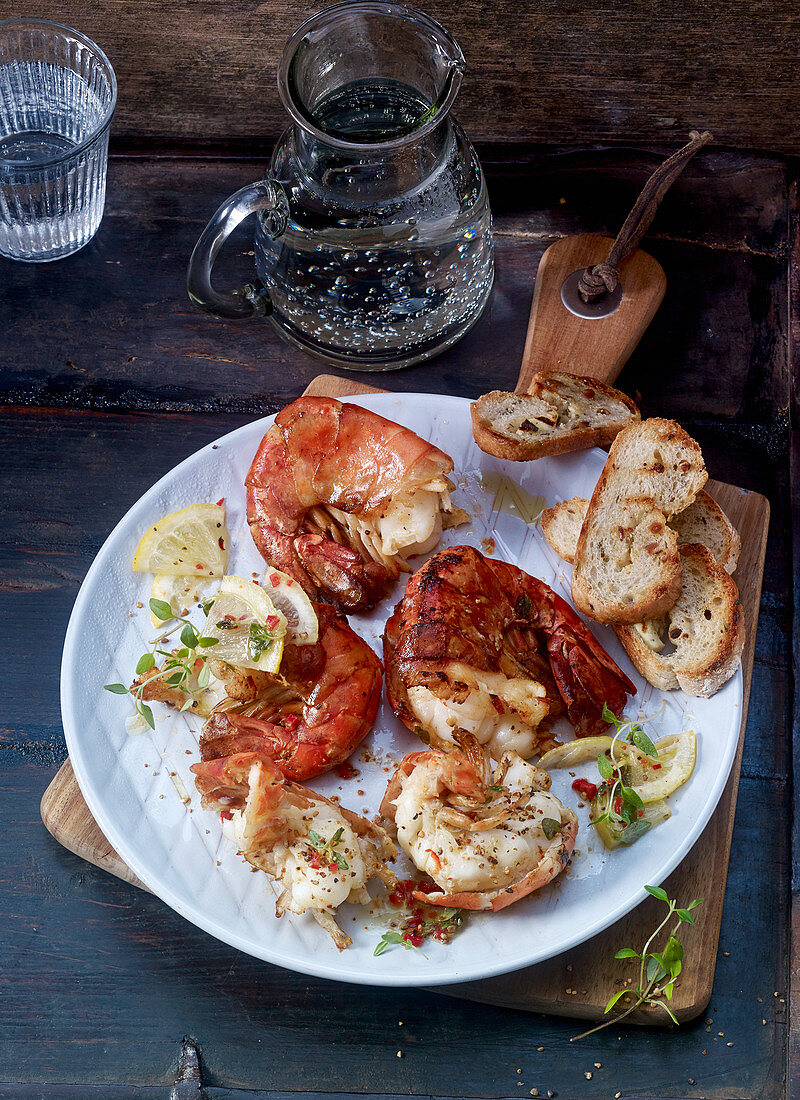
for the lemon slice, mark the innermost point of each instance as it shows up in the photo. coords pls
(579, 751)
(179, 592)
(190, 542)
(249, 627)
(289, 597)
(674, 764)
(653, 778)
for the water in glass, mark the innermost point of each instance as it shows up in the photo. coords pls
(57, 92)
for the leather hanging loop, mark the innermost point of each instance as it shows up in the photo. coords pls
(602, 278)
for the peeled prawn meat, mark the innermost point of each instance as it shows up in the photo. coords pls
(485, 839)
(320, 852)
(477, 645)
(339, 498)
(312, 714)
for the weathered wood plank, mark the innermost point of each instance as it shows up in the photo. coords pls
(104, 981)
(124, 336)
(537, 72)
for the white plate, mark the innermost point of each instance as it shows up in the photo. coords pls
(183, 856)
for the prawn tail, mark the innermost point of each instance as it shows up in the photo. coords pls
(463, 900)
(587, 678)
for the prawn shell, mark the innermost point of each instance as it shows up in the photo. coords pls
(553, 861)
(462, 607)
(323, 452)
(339, 681)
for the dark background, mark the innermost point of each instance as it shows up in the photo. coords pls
(108, 378)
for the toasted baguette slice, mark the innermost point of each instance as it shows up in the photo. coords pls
(627, 565)
(561, 526)
(703, 523)
(563, 412)
(705, 627)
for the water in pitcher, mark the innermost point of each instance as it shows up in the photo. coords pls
(370, 276)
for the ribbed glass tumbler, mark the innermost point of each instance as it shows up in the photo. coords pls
(57, 95)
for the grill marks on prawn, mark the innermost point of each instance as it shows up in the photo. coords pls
(473, 636)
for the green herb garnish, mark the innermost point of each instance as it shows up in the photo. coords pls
(261, 639)
(442, 926)
(658, 970)
(179, 667)
(326, 847)
(550, 827)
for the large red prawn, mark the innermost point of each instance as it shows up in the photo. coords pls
(478, 645)
(308, 717)
(485, 839)
(339, 498)
(322, 853)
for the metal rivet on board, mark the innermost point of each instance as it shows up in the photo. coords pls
(602, 307)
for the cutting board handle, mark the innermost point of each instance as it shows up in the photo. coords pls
(598, 346)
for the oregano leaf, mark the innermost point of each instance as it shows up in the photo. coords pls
(658, 892)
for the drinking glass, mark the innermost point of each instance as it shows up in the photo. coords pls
(57, 95)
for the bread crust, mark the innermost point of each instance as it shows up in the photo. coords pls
(558, 526)
(566, 438)
(696, 675)
(636, 501)
(561, 526)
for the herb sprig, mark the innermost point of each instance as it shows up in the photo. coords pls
(326, 847)
(442, 926)
(180, 669)
(658, 970)
(623, 806)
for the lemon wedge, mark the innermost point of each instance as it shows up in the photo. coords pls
(579, 751)
(249, 628)
(190, 542)
(677, 755)
(653, 778)
(179, 592)
(289, 597)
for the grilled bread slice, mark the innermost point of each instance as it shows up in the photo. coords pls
(561, 526)
(563, 412)
(697, 645)
(627, 566)
(703, 523)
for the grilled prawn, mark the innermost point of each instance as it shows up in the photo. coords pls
(339, 498)
(321, 853)
(485, 840)
(308, 717)
(477, 645)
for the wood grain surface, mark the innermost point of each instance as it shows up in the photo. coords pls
(107, 380)
(597, 347)
(202, 71)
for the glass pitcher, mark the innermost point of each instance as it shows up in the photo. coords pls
(373, 240)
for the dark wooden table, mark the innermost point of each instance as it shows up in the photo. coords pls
(109, 378)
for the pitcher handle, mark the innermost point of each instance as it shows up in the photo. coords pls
(265, 195)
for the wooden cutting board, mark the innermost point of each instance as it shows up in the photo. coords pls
(579, 982)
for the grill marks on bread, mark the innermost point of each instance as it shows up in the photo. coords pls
(627, 564)
(563, 412)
